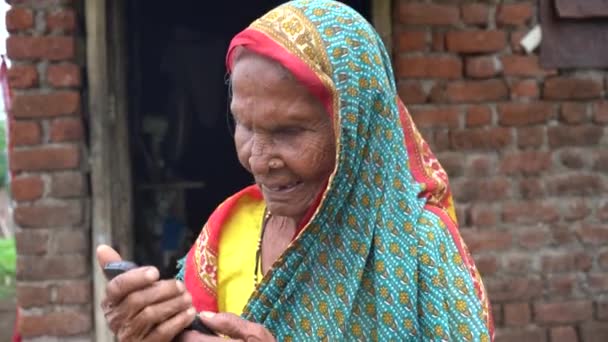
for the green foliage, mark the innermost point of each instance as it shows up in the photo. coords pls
(8, 259)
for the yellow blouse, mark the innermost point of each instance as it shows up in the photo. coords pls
(236, 255)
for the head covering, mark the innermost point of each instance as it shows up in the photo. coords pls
(380, 257)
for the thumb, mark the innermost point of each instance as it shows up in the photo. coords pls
(106, 254)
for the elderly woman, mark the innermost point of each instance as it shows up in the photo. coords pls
(349, 231)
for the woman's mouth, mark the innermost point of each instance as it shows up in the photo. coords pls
(282, 187)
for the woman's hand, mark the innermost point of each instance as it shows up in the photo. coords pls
(140, 307)
(231, 326)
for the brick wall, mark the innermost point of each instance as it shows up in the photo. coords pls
(48, 159)
(526, 149)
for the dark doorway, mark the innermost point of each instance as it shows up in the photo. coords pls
(183, 158)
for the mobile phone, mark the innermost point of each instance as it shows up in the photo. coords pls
(113, 269)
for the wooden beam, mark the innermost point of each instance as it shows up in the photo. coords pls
(382, 19)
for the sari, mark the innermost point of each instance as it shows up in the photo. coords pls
(379, 256)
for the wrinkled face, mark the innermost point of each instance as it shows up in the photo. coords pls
(283, 135)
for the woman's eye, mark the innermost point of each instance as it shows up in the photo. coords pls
(289, 130)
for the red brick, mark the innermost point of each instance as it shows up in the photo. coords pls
(516, 264)
(598, 282)
(563, 334)
(22, 76)
(602, 309)
(69, 241)
(583, 135)
(594, 332)
(516, 14)
(475, 14)
(477, 91)
(63, 75)
(497, 314)
(440, 141)
(515, 40)
(601, 162)
(600, 112)
(31, 295)
(63, 20)
(436, 116)
(492, 138)
(428, 14)
(575, 184)
(66, 322)
(467, 190)
(19, 19)
(438, 92)
(57, 267)
(67, 184)
(572, 159)
(411, 92)
(487, 240)
(593, 234)
(529, 212)
(533, 238)
(486, 265)
(482, 216)
(479, 116)
(482, 67)
(46, 47)
(429, 67)
(412, 41)
(438, 41)
(577, 209)
(69, 129)
(517, 314)
(452, 164)
(32, 242)
(575, 88)
(513, 288)
(568, 262)
(476, 41)
(515, 65)
(573, 112)
(531, 188)
(561, 285)
(27, 188)
(73, 292)
(481, 166)
(50, 215)
(526, 163)
(25, 133)
(524, 114)
(530, 136)
(563, 312)
(45, 158)
(36, 105)
(602, 212)
(524, 89)
(533, 334)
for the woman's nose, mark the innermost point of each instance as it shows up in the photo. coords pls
(259, 159)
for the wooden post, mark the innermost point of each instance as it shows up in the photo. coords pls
(382, 19)
(109, 145)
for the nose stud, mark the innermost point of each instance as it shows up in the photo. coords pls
(275, 163)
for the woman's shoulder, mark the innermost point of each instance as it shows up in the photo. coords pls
(246, 197)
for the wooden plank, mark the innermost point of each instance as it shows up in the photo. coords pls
(582, 8)
(97, 71)
(383, 23)
(572, 43)
(122, 192)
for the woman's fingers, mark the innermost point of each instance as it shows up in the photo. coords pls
(130, 281)
(156, 302)
(167, 330)
(160, 312)
(106, 254)
(236, 327)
